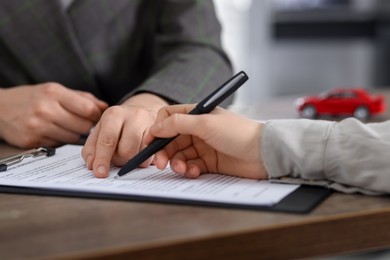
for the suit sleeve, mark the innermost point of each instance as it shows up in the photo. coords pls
(190, 61)
(348, 156)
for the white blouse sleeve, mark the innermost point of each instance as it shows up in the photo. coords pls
(348, 156)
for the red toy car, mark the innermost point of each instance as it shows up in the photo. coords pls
(341, 102)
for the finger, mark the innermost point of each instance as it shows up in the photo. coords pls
(106, 144)
(35, 128)
(180, 124)
(80, 105)
(181, 160)
(193, 170)
(59, 134)
(190, 169)
(179, 144)
(167, 111)
(100, 103)
(70, 121)
(162, 114)
(184, 155)
(54, 113)
(161, 159)
(88, 151)
(129, 144)
(135, 129)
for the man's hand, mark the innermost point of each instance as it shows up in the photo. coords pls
(120, 133)
(46, 114)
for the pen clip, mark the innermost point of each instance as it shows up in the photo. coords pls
(14, 159)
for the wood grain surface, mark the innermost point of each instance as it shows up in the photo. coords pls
(48, 227)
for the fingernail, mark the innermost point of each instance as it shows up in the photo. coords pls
(101, 170)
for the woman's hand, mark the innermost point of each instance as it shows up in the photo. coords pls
(219, 142)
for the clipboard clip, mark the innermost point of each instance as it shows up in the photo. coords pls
(14, 159)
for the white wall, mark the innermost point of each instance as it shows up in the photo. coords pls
(246, 25)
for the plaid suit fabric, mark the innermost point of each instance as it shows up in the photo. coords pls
(114, 49)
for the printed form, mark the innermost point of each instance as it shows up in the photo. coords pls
(66, 171)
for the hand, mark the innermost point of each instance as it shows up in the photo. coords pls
(46, 114)
(120, 133)
(219, 142)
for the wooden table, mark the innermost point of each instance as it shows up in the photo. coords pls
(57, 227)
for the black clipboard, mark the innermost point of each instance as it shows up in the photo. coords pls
(302, 200)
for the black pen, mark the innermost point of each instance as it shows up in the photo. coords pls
(205, 106)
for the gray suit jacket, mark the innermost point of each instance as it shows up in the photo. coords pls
(114, 48)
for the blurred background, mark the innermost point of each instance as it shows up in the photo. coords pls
(301, 47)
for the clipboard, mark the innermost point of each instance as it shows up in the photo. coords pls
(18, 158)
(302, 200)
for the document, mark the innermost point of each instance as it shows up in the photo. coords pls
(66, 171)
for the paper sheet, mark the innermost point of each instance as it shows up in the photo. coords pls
(66, 171)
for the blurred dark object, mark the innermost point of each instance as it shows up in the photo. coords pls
(326, 18)
(296, 5)
(337, 20)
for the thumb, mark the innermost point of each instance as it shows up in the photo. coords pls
(179, 124)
